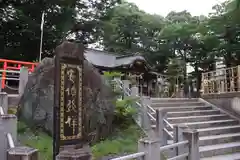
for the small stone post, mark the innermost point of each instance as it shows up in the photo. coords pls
(160, 114)
(146, 120)
(75, 154)
(126, 84)
(146, 100)
(178, 137)
(134, 91)
(22, 153)
(193, 137)
(23, 79)
(8, 124)
(238, 78)
(4, 101)
(151, 147)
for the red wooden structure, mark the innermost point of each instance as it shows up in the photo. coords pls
(6, 64)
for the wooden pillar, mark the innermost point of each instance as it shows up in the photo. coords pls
(22, 153)
(4, 75)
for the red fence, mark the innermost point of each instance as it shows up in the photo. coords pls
(6, 64)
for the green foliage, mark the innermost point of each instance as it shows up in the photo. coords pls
(20, 24)
(35, 139)
(122, 141)
(111, 75)
(124, 28)
(197, 40)
(124, 112)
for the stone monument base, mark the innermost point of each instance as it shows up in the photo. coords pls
(69, 153)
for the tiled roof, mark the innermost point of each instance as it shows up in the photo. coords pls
(110, 60)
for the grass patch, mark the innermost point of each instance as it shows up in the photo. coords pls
(122, 141)
(12, 110)
(38, 140)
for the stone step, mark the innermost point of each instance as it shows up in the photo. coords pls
(184, 108)
(216, 123)
(219, 130)
(219, 149)
(192, 113)
(219, 139)
(156, 100)
(173, 104)
(232, 156)
(203, 118)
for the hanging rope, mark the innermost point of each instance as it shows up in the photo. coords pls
(15, 89)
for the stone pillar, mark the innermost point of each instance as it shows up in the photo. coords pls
(193, 138)
(145, 119)
(178, 137)
(8, 124)
(4, 101)
(134, 91)
(23, 79)
(146, 101)
(75, 154)
(151, 147)
(126, 86)
(22, 153)
(160, 115)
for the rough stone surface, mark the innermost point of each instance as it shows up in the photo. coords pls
(225, 101)
(236, 104)
(36, 104)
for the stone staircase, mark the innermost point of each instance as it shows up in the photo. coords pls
(219, 132)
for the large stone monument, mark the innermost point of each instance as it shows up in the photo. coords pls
(37, 102)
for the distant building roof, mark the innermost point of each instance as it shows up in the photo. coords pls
(110, 60)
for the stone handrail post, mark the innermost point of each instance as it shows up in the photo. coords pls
(23, 79)
(151, 147)
(126, 84)
(134, 91)
(193, 138)
(178, 137)
(8, 124)
(24, 153)
(160, 115)
(4, 101)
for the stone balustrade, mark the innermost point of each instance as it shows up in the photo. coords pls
(8, 135)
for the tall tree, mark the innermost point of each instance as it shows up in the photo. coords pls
(21, 24)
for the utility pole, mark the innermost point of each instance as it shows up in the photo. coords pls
(41, 38)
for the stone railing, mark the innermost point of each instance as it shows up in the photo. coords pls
(185, 146)
(146, 115)
(225, 80)
(20, 76)
(142, 111)
(8, 135)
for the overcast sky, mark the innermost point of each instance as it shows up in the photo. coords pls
(163, 7)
